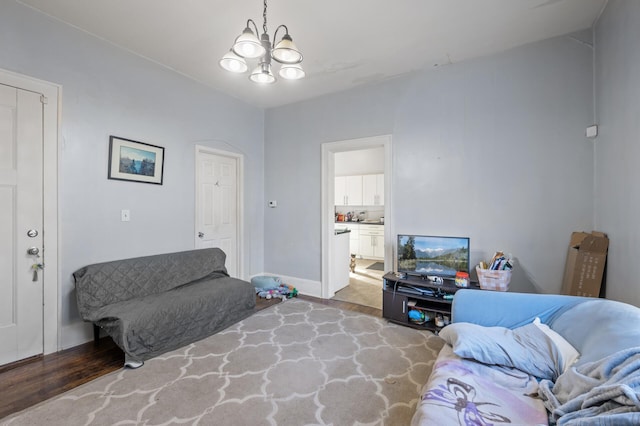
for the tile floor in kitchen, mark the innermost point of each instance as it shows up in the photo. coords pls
(365, 285)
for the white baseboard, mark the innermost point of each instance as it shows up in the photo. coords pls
(304, 286)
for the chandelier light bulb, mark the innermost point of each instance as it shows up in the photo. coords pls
(234, 63)
(248, 45)
(262, 74)
(291, 72)
(286, 51)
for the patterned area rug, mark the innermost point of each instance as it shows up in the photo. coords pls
(296, 363)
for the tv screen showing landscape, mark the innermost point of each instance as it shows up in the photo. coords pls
(427, 255)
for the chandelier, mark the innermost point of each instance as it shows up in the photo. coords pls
(248, 46)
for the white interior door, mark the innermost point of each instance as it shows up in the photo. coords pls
(21, 223)
(217, 212)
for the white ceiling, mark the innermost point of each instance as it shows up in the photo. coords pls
(345, 43)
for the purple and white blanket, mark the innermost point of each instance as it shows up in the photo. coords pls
(466, 392)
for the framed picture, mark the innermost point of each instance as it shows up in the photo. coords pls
(135, 161)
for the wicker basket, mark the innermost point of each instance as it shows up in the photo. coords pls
(493, 280)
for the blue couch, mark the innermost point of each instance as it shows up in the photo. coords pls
(595, 327)
(598, 388)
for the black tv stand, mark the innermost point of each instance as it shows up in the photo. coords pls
(401, 293)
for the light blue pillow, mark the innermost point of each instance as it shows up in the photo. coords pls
(526, 348)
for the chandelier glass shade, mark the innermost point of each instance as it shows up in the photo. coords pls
(248, 46)
(286, 51)
(262, 74)
(291, 71)
(234, 63)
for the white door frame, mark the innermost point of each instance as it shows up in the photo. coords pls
(329, 149)
(239, 159)
(51, 275)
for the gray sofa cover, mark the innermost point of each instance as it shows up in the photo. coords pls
(153, 304)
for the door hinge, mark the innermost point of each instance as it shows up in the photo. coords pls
(44, 99)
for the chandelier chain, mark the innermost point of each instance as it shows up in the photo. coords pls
(264, 17)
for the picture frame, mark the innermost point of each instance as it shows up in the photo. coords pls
(135, 161)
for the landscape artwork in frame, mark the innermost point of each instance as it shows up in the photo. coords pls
(135, 161)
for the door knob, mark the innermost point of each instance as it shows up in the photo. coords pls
(33, 251)
(200, 234)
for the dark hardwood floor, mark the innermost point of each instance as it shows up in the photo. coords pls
(28, 382)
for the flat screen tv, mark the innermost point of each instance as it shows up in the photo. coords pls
(430, 255)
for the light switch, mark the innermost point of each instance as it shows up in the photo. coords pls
(125, 215)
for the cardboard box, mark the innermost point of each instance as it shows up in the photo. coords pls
(586, 261)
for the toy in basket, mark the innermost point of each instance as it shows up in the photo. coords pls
(494, 280)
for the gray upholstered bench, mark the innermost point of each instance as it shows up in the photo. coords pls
(154, 304)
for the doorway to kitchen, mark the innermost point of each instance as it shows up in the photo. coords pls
(356, 197)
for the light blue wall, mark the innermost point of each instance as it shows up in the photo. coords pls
(617, 189)
(107, 91)
(493, 149)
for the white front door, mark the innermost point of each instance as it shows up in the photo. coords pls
(21, 223)
(217, 201)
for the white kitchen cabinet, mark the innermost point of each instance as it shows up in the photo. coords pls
(373, 190)
(354, 190)
(340, 191)
(348, 191)
(366, 246)
(372, 241)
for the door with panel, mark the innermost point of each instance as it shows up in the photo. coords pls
(217, 206)
(21, 224)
